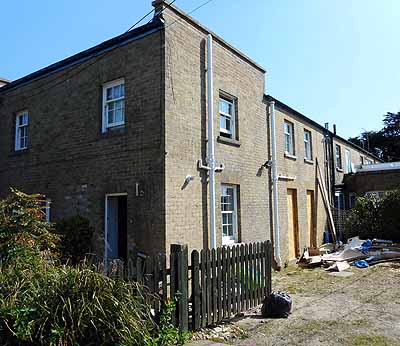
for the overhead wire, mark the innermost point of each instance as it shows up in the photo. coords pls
(67, 74)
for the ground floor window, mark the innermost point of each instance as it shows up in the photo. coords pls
(352, 200)
(229, 214)
(339, 200)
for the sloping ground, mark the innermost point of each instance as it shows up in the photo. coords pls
(362, 309)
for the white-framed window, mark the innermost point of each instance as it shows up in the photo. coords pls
(376, 194)
(21, 130)
(352, 200)
(368, 161)
(339, 200)
(307, 145)
(113, 104)
(288, 129)
(229, 214)
(46, 209)
(338, 156)
(348, 161)
(227, 127)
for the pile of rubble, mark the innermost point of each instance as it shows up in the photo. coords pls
(357, 252)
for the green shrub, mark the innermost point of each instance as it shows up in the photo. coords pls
(76, 236)
(25, 236)
(44, 303)
(73, 306)
(375, 217)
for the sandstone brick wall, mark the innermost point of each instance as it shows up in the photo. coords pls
(72, 162)
(187, 216)
(363, 182)
(355, 157)
(304, 174)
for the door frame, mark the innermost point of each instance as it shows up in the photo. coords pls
(106, 218)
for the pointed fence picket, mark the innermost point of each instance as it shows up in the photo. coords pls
(218, 283)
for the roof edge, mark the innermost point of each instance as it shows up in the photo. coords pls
(82, 56)
(314, 123)
(218, 38)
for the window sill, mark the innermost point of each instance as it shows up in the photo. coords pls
(290, 156)
(113, 131)
(310, 162)
(18, 152)
(339, 170)
(230, 141)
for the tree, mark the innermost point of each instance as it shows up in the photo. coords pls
(384, 143)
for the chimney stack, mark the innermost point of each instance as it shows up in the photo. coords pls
(159, 6)
(334, 129)
(327, 126)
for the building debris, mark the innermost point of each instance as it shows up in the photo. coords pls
(338, 266)
(356, 251)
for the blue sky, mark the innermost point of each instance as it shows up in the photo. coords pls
(335, 61)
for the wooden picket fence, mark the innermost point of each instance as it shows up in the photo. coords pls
(218, 283)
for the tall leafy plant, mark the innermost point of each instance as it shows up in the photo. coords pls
(374, 217)
(25, 236)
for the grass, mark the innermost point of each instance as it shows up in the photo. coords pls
(370, 340)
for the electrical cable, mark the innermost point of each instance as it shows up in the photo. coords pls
(100, 56)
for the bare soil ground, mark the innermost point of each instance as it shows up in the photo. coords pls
(362, 309)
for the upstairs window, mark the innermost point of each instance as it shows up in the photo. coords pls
(338, 157)
(113, 104)
(21, 131)
(307, 145)
(227, 126)
(289, 137)
(348, 162)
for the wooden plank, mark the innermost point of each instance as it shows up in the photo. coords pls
(139, 269)
(183, 289)
(232, 284)
(325, 198)
(251, 276)
(259, 274)
(263, 278)
(246, 276)
(224, 283)
(229, 283)
(214, 285)
(173, 283)
(209, 287)
(242, 285)
(203, 283)
(164, 278)
(234, 280)
(196, 297)
(269, 267)
(219, 284)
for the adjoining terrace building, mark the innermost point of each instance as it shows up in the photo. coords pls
(119, 133)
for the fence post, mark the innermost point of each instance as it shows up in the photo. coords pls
(179, 276)
(196, 302)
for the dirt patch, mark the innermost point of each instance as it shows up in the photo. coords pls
(359, 310)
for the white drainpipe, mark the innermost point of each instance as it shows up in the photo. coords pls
(275, 178)
(211, 159)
